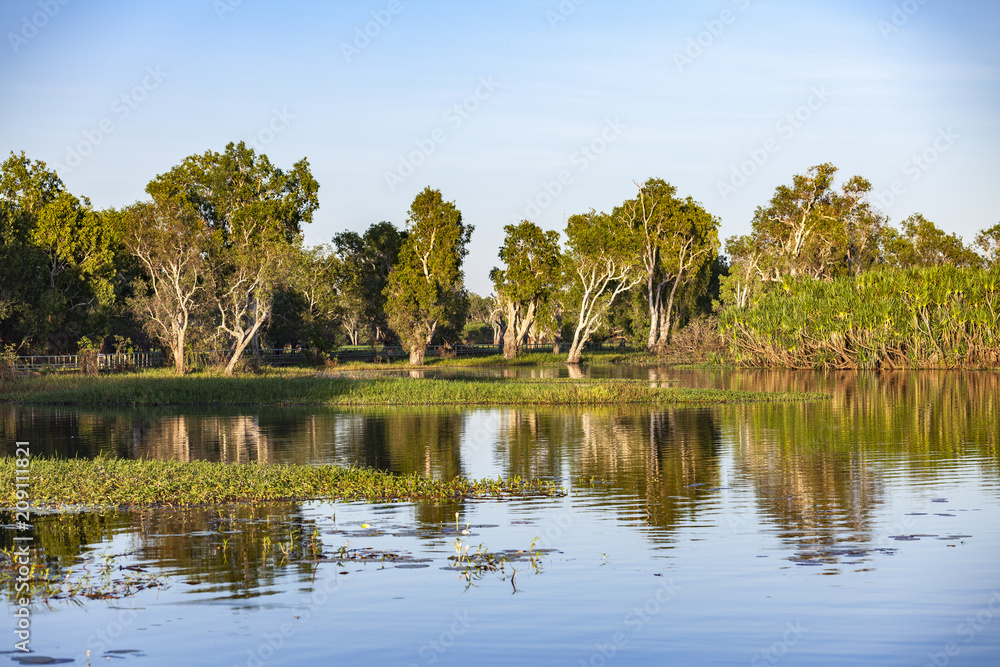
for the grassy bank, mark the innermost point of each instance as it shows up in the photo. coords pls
(290, 388)
(105, 482)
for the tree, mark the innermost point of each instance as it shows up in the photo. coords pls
(988, 242)
(366, 261)
(59, 259)
(923, 244)
(486, 315)
(254, 212)
(424, 291)
(811, 229)
(534, 271)
(860, 230)
(170, 245)
(807, 229)
(676, 239)
(603, 261)
(307, 306)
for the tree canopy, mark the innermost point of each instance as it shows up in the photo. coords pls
(253, 212)
(532, 273)
(425, 290)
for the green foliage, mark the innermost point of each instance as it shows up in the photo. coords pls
(924, 244)
(477, 333)
(253, 213)
(676, 239)
(107, 482)
(602, 263)
(988, 243)
(59, 260)
(362, 277)
(424, 290)
(534, 271)
(307, 305)
(940, 317)
(811, 229)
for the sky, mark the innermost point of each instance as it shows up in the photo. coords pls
(517, 109)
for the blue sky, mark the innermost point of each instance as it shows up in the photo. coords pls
(517, 109)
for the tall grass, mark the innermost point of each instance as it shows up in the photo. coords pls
(942, 317)
(290, 388)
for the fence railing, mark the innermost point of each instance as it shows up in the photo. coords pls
(71, 362)
(272, 357)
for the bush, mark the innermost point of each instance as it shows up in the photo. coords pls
(941, 317)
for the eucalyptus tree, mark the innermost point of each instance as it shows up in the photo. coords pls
(307, 307)
(254, 211)
(676, 238)
(425, 288)
(809, 228)
(602, 262)
(365, 263)
(170, 244)
(487, 311)
(921, 243)
(812, 229)
(533, 272)
(988, 243)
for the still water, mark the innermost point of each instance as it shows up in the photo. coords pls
(860, 530)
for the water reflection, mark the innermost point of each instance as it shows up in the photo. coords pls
(230, 551)
(815, 474)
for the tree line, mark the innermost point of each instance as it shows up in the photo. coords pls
(214, 259)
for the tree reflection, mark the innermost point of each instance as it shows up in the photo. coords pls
(232, 550)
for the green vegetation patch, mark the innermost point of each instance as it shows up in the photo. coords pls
(106, 482)
(289, 389)
(939, 317)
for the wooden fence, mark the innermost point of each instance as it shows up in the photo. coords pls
(271, 357)
(71, 362)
